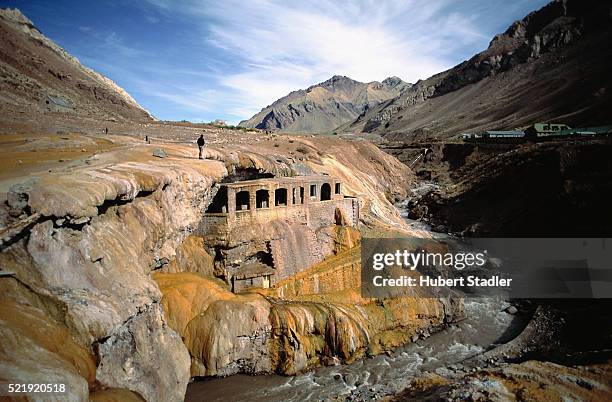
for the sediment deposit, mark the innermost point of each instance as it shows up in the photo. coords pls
(81, 242)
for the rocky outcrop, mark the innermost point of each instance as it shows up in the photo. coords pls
(325, 106)
(533, 71)
(144, 356)
(84, 240)
(42, 78)
(191, 256)
(33, 343)
(491, 191)
(101, 232)
(320, 319)
(230, 337)
(531, 380)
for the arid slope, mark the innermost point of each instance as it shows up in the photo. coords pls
(37, 77)
(551, 66)
(322, 107)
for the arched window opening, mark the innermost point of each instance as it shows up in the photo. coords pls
(325, 192)
(219, 201)
(280, 197)
(243, 201)
(262, 199)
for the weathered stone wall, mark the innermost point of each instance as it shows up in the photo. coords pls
(315, 214)
(213, 226)
(293, 213)
(334, 275)
(298, 236)
(352, 210)
(323, 213)
(296, 248)
(259, 282)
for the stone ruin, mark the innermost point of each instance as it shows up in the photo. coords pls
(261, 231)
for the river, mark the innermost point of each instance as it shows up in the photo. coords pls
(486, 325)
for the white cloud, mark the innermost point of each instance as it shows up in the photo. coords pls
(280, 46)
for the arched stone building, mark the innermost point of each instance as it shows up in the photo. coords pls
(279, 217)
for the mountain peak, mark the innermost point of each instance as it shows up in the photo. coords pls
(392, 82)
(340, 78)
(338, 81)
(524, 66)
(323, 107)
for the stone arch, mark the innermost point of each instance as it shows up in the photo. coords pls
(219, 201)
(325, 192)
(243, 201)
(280, 197)
(262, 198)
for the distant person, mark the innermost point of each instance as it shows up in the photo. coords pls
(147, 139)
(106, 130)
(201, 145)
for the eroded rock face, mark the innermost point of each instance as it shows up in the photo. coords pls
(32, 342)
(320, 319)
(144, 355)
(191, 256)
(99, 230)
(230, 337)
(97, 266)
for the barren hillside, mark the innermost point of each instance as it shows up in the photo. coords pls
(322, 107)
(553, 65)
(40, 78)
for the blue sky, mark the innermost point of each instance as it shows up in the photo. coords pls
(203, 60)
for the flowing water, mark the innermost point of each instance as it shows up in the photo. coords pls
(487, 324)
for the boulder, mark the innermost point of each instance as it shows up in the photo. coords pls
(511, 310)
(160, 153)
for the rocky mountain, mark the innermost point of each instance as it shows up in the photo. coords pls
(551, 65)
(38, 76)
(323, 107)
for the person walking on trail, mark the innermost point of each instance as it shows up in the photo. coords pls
(201, 145)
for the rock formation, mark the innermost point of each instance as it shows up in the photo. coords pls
(80, 243)
(483, 190)
(323, 107)
(531, 380)
(315, 318)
